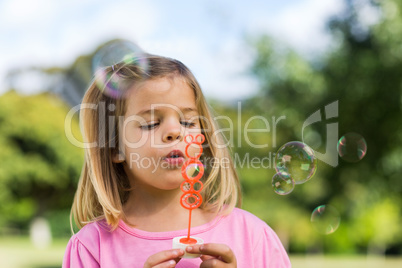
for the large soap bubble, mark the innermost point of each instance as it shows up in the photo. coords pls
(112, 57)
(296, 159)
(118, 51)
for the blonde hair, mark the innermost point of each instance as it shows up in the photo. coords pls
(103, 187)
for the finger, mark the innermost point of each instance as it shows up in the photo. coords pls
(166, 264)
(164, 257)
(221, 250)
(213, 262)
(178, 259)
(207, 257)
(195, 249)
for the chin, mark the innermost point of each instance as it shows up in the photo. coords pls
(174, 185)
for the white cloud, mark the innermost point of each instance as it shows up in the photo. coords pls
(31, 82)
(19, 13)
(220, 70)
(301, 25)
(49, 33)
(229, 67)
(368, 15)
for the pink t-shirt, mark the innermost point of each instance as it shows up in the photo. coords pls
(253, 242)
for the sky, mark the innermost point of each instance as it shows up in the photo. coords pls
(208, 36)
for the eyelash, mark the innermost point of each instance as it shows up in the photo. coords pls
(188, 124)
(150, 126)
(153, 125)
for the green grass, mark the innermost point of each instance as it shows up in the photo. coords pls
(358, 261)
(18, 252)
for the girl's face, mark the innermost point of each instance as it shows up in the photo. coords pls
(160, 112)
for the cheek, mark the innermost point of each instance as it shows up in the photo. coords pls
(135, 145)
(134, 138)
(193, 131)
(140, 160)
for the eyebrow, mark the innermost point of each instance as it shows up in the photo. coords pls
(184, 110)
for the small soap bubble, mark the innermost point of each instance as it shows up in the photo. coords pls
(326, 219)
(296, 159)
(352, 147)
(112, 57)
(193, 170)
(282, 183)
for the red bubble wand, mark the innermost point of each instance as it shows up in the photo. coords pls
(192, 186)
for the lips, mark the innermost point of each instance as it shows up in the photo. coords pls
(174, 158)
(175, 154)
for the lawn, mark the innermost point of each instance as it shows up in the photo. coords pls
(314, 261)
(17, 252)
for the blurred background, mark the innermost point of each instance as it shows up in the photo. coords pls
(271, 59)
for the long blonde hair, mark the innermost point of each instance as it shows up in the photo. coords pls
(103, 187)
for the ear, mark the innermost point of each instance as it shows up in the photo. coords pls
(118, 157)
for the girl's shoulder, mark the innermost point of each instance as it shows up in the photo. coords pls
(251, 238)
(239, 220)
(84, 244)
(90, 234)
(245, 217)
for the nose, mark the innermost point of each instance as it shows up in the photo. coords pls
(173, 132)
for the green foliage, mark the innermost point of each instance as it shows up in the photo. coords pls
(364, 74)
(39, 166)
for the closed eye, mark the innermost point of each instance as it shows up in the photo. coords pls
(149, 126)
(187, 124)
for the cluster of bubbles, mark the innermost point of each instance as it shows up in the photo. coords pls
(109, 59)
(295, 163)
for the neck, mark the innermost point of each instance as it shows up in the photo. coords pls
(142, 202)
(156, 210)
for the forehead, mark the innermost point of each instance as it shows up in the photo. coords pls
(162, 92)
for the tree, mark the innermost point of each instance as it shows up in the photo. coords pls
(363, 73)
(39, 167)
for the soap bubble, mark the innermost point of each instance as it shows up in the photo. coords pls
(110, 58)
(352, 147)
(193, 170)
(110, 84)
(118, 51)
(296, 159)
(326, 219)
(282, 183)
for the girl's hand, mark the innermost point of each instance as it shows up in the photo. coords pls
(214, 255)
(166, 258)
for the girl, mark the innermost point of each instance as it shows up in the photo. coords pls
(128, 199)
